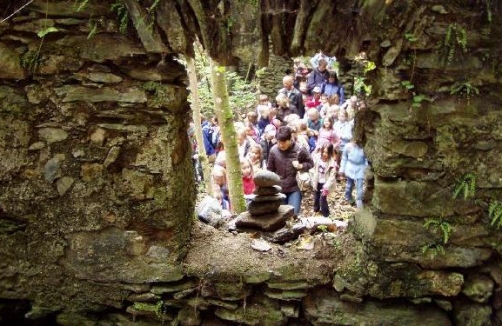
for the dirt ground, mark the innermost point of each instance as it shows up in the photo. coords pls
(219, 253)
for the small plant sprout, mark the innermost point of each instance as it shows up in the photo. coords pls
(465, 186)
(495, 213)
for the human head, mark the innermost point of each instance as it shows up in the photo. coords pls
(324, 98)
(252, 117)
(263, 98)
(241, 135)
(334, 99)
(255, 153)
(270, 131)
(284, 138)
(342, 115)
(302, 125)
(326, 151)
(332, 77)
(332, 111)
(282, 100)
(246, 167)
(219, 175)
(322, 64)
(316, 91)
(313, 114)
(327, 123)
(287, 82)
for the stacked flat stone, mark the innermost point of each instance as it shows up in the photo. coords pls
(266, 211)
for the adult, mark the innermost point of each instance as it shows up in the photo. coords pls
(314, 61)
(284, 108)
(332, 86)
(318, 76)
(285, 159)
(294, 95)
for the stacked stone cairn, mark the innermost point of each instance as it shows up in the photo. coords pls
(265, 210)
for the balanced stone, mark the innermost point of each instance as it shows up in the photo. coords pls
(265, 207)
(264, 198)
(266, 179)
(265, 191)
(269, 222)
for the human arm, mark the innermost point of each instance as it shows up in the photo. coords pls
(305, 160)
(271, 161)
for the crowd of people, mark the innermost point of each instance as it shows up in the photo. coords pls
(308, 126)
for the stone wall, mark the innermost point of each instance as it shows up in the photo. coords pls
(92, 128)
(96, 201)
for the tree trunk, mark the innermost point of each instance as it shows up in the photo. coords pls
(226, 121)
(192, 76)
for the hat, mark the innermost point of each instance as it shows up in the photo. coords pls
(270, 129)
(316, 89)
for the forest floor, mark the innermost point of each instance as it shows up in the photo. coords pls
(214, 251)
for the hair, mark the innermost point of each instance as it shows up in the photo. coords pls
(284, 133)
(256, 147)
(332, 74)
(334, 99)
(329, 147)
(313, 110)
(282, 100)
(322, 62)
(330, 120)
(263, 98)
(302, 124)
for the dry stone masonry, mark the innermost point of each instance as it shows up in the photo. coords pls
(96, 197)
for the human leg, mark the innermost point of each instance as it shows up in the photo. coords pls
(359, 192)
(349, 185)
(324, 206)
(317, 196)
(295, 199)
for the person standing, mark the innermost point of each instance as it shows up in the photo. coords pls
(354, 164)
(318, 76)
(285, 159)
(295, 96)
(324, 176)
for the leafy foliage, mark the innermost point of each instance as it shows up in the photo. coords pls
(42, 33)
(495, 213)
(466, 186)
(445, 228)
(241, 94)
(122, 14)
(464, 89)
(455, 37)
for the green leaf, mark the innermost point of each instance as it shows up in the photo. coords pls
(46, 31)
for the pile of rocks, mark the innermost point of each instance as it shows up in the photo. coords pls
(265, 210)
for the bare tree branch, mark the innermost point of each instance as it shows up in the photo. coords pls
(18, 10)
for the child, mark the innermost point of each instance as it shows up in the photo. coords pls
(251, 125)
(315, 100)
(302, 134)
(354, 165)
(220, 182)
(263, 106)
(343, 129)
(268, 140)
(314, 121)
(247, 176)
(255, 156)
(328, 132)
(324, 176)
